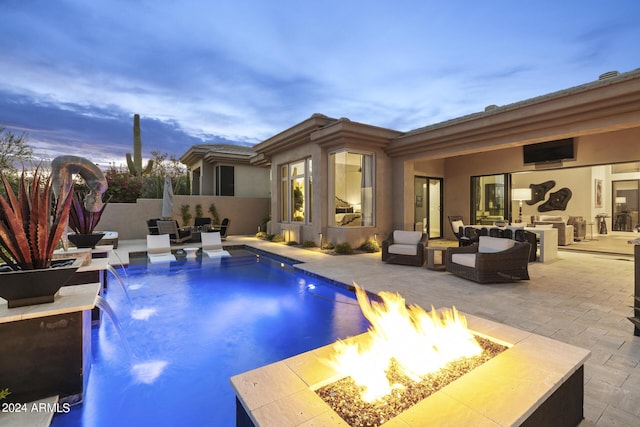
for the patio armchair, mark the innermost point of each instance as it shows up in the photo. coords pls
(405, 247)
(491, 260)
(176, 234)
(224, 227)
(152, 226)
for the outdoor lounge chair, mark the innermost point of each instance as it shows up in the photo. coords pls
(159, 248)
(212, 245)
(491, 260)
(405, 247)
(176, 234)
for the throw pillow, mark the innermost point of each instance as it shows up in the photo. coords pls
(494, 244)
(406, 237)
(456, 225)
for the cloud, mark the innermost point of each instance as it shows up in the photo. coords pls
(101, 134)
(199, 71)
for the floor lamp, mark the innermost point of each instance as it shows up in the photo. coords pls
(521, 194)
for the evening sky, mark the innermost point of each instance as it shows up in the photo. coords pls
(73, 72)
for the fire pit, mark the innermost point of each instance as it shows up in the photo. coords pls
(535, 380)
(345, 396)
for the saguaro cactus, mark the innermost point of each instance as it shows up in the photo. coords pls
(135, 163)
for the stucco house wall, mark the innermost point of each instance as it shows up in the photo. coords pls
(251, 181)
(202, 160)
(318, 137)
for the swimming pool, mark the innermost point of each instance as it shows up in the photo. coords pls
(193, 325)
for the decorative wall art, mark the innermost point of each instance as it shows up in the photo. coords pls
(557, 201)
(598, 198)
(539, 191)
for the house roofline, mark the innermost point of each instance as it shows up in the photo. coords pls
(603, 105)
(217, 152)
(289, 138)
(343, 131)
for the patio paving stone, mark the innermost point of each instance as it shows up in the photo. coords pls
(582, 299)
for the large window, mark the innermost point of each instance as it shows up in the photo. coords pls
(351, 187)
(225, 184)
(295, 190)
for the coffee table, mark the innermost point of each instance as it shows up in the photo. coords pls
(436, 258)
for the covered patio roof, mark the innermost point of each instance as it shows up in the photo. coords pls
(612, 103)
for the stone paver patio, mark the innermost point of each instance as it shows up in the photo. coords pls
(581, 299)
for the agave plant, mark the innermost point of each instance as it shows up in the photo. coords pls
(82, 220)
(31, 223)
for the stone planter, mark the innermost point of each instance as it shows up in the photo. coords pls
(46, 349)
(85, 240)
(29, 287)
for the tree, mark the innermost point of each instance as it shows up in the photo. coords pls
(13, 149)
(164, 165)
(123, 187)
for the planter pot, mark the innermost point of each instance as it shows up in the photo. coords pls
(85, 240)
(29, 287)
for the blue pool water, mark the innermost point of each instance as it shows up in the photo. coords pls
(193, 325)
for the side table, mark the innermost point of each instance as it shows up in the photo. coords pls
(436, 258)
(191, 252)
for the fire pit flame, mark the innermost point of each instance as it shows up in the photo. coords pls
(419, 342)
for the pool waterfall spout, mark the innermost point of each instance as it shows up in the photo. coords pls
(113, 271)
(103, 305)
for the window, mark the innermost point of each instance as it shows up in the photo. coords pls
(295, 189)
(284, 198)
(489, 199)
(352, 193)
(296, 183)
(225, 181)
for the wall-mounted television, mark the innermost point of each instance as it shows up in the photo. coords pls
(552, 151)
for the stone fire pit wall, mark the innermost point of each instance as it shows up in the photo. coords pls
(537, 381)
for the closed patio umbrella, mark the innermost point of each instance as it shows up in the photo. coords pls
(167, 198)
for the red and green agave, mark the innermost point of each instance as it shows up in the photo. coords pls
(82, 220)
(31, 222)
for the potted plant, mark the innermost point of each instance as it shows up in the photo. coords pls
(83, 222)
(31, 225)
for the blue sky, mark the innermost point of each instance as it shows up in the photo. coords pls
(73, 72)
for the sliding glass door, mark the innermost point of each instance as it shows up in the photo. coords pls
(427, 206)
(626, 204)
